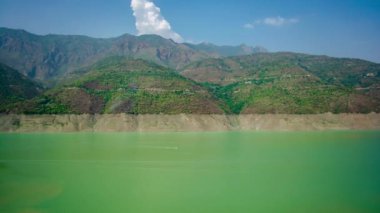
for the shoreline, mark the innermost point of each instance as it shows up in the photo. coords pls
(187, 123)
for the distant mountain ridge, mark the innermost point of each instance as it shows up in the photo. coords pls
(151, 75)
(52, 56)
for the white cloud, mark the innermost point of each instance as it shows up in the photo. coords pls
(150, 21)
(249, 26)
(279, 21)
(272, 21)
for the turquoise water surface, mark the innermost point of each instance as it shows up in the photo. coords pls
(190, 172)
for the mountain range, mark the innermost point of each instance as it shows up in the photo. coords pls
(50, 57)
(63, 74)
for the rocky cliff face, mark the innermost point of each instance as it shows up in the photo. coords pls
(186, 123)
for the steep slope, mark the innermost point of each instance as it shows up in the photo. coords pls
(120, 85)
(46, 57)
(15, 87)
(51, 57)
(291, 83)
(156, 49)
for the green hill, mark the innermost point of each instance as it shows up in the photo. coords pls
(291, 83)
(120, 85)
(15, 87)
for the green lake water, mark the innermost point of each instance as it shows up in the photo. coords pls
(190, 172)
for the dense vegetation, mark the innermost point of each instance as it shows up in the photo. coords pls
(290, 83)
(15, 87)
(119, 85)
(336, 71)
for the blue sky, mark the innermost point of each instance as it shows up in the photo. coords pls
(342, 28)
